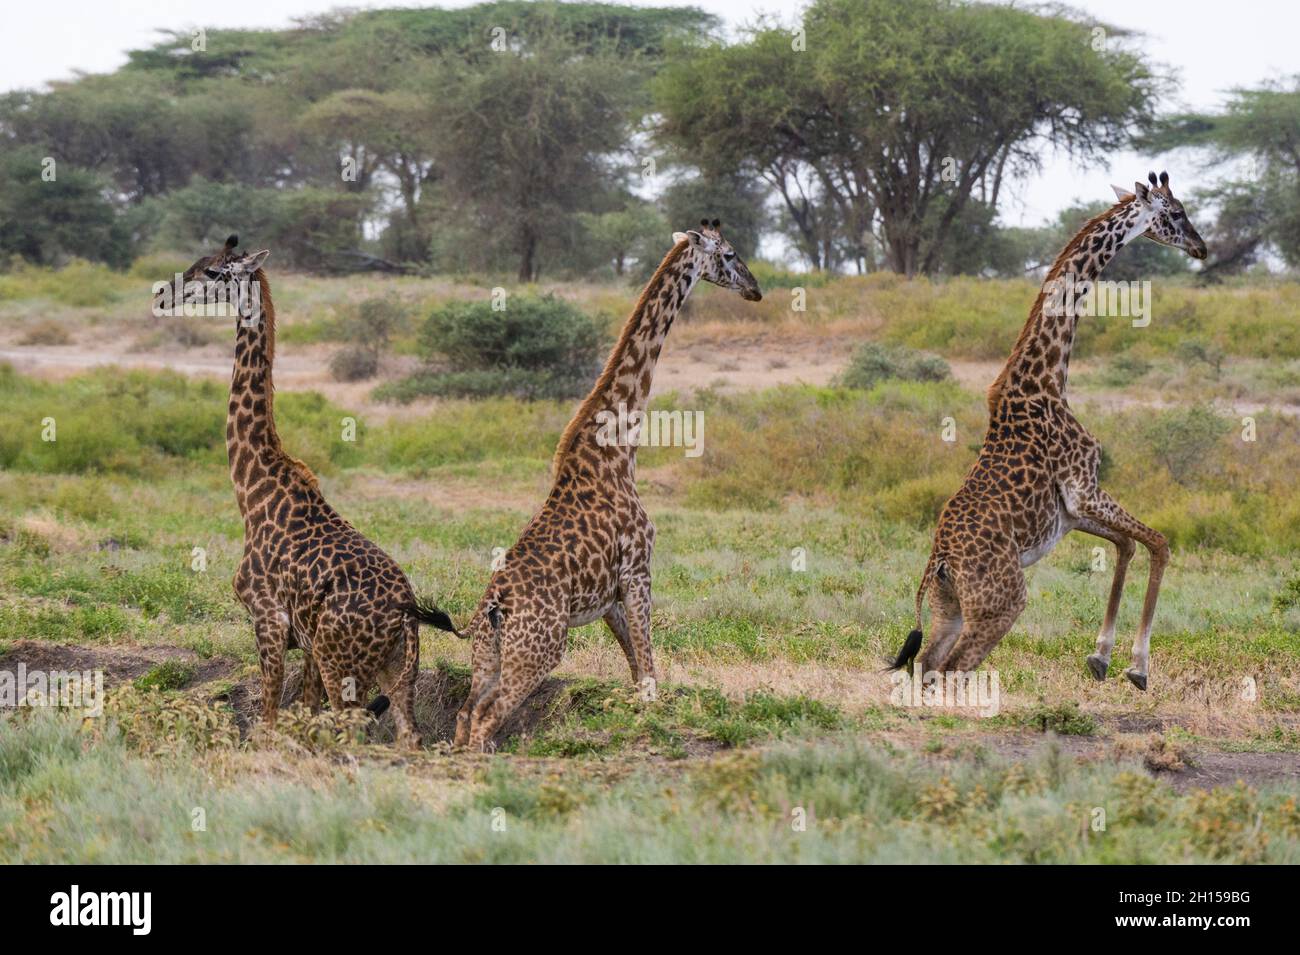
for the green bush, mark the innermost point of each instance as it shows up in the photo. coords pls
(1181, 439)
(372, 323)
(874, 362)
(168, 675)
(354, 363)
(535, 347)
(1125, 369)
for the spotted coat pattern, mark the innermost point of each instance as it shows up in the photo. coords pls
(1036, 476)
(308, 578)
(585, 555)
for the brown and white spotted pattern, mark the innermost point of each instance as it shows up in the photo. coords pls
(586, 554)
(1036, 476)
(308, 578)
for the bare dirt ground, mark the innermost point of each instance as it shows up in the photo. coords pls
(728, 366)
(708, 360)
(438, 696)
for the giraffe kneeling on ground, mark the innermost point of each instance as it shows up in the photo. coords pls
(586, 554)
(308, 578)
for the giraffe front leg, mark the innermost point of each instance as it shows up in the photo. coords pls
(486, 662)
(1104, 510)
(312, 687)
(1099, 662)
(272, 635)
(635, 593)
(616, 620)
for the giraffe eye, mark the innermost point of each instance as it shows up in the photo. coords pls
(729, 256)
(1176, 216)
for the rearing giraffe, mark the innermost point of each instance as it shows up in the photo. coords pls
(1036, 476)
(586, 554)
(308, 578)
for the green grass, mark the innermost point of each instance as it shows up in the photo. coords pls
(600, 719)
(833, 800)
(168, 675)
(792, 546)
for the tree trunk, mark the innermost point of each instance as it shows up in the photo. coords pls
(528, 257)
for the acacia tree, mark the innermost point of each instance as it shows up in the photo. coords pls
(526, 140)
(882, 119)
(1259, 212)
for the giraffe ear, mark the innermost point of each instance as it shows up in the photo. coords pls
(680, 237)
(254, 261)
(1121, 193)
(1140, 190)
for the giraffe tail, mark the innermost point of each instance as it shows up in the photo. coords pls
(377, 706)
(430, 614)
(912, 645)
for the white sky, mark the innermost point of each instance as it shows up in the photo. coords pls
(1214, 45)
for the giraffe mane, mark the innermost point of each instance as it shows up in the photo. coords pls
(268, 317)
(598, 390)
(1035, 313)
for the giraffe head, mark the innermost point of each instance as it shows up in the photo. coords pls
(212, 279)
(717, 261)
(1169, 224)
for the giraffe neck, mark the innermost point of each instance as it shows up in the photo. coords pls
(251, 439)
(623, 388)
(1040, 361)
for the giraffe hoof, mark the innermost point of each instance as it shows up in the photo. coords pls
(1139, 680)
(1098, 666)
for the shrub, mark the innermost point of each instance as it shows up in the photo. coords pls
(1065, 719)
(368, 327)
(187, 333)
(536, 347)
(1192, 350)
(874, 362)
(168, 675)
(1124, 369)
(46, 332)
(1288, 596)
(374, 322)
(1182, 439)
(354, 363)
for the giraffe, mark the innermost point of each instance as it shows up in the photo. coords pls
(585, 555)
(1036, 476)
(308, 578)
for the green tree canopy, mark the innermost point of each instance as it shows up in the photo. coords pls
(877, 113)
(1258, 133)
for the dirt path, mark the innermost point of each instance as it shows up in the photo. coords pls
(439, 693)
(746, 364)
(739, 366)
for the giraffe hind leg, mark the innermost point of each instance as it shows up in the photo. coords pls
(524, 665)
(945, 624)
(397, 684)
(616, 620)
(990, 606)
